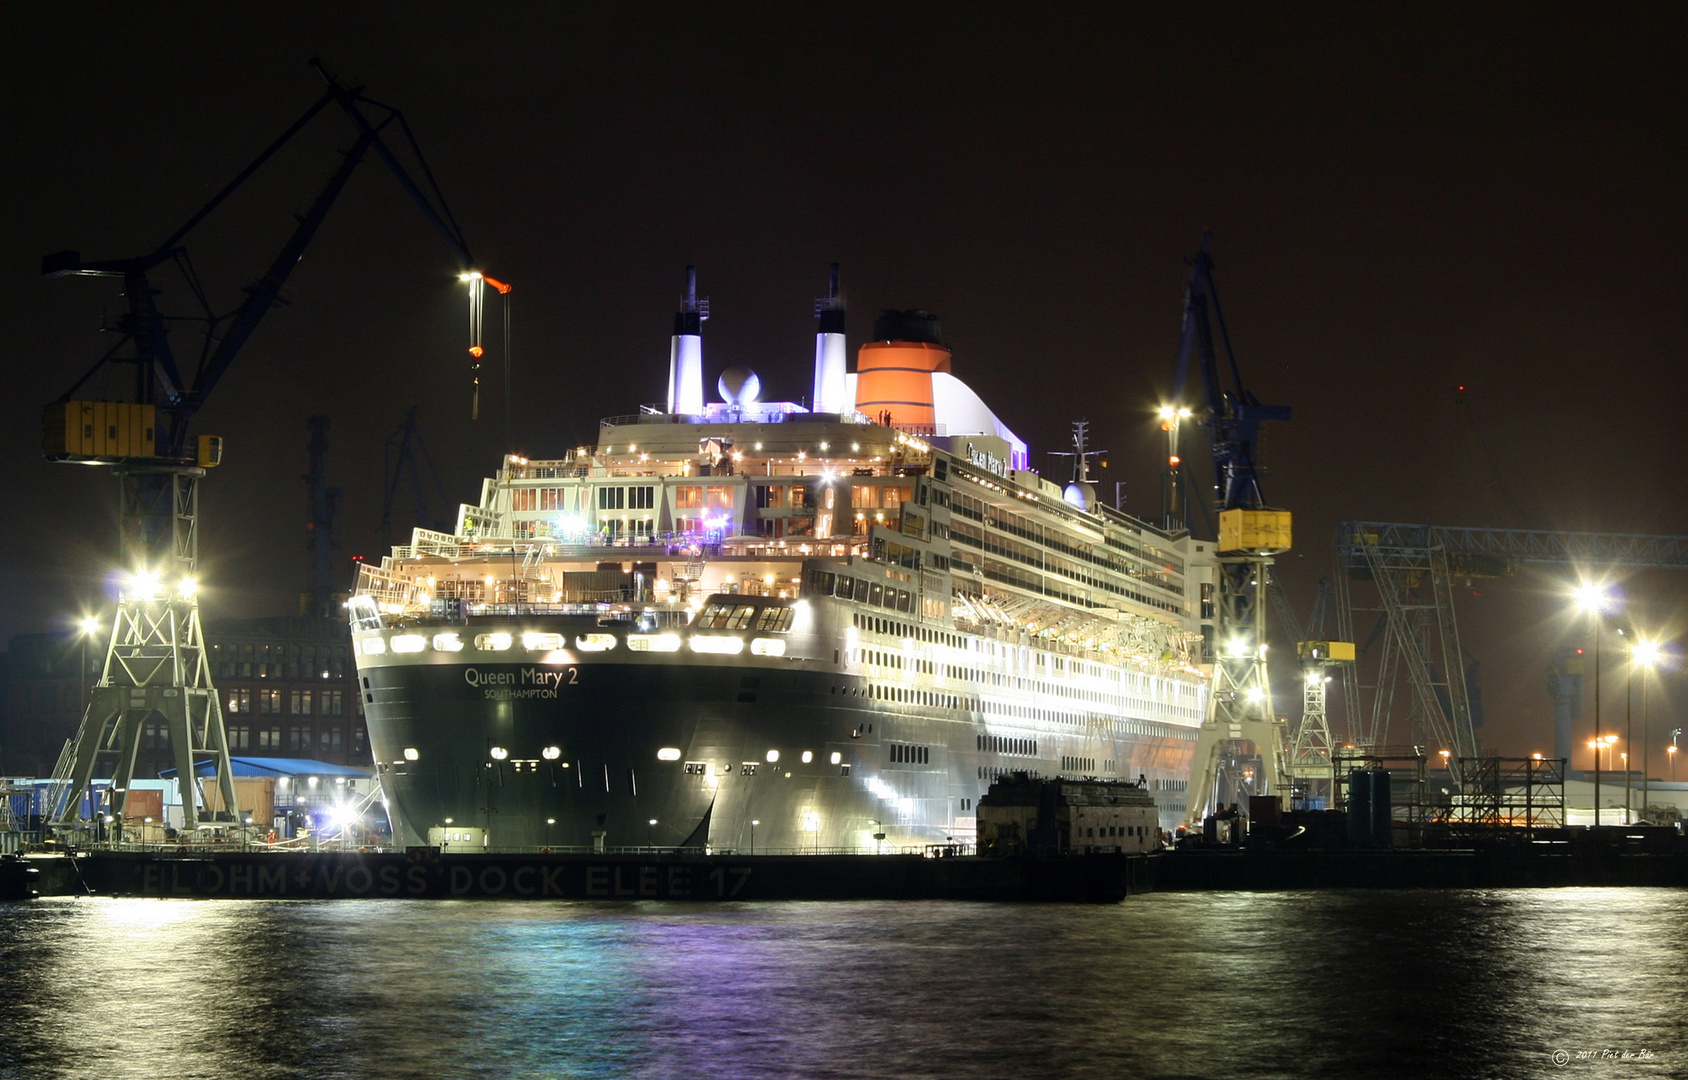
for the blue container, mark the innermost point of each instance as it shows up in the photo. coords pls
(1382, 819)
(1359, 808)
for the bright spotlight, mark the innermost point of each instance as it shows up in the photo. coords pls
(1647, 653)
(187, 587)
(1591, 597)
(144, 584)
(89, 625)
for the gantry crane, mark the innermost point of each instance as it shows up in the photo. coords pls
(1410, 572)
(1250, 533)
(155, 658)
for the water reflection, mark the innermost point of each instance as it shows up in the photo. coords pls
(1381, 984)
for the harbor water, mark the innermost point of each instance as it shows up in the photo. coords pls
(1475, 983)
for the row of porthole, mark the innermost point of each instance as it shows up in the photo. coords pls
(543, 641)
(672, 753)
(494, 641)
(497, 753)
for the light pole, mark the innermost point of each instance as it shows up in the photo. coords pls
(753, 824)
(1645, 653)
(88, 626)
(1592, 599)
(1604, 742)
(1628, 816)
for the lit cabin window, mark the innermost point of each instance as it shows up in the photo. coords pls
(653, 642)
(837, 757)
(808, 756)
(448, 642)
(775, 619)
(595, 642)
(714, 643)
(407, 643)
(410, 754)
(668, 753)
(494, 642)
(773, 756)
(537, 641)
(551, 753)
(373, 646)
(763, 646)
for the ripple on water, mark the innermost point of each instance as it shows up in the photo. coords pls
(1480, 983)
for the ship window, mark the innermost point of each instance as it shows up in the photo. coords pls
(537, 641)
(653, 642)
(494, 642)
(595, 642)
(747, 768)
(739, 619)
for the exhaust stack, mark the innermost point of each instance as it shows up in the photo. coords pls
(831, 394)
(685, 353)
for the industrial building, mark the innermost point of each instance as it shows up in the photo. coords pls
(286, 686)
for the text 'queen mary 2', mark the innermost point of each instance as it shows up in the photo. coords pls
(744, 622)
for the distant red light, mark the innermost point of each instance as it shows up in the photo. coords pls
(1579, 652)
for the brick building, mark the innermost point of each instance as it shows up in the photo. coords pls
(287, 685)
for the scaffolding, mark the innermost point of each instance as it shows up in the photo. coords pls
(1503, 794)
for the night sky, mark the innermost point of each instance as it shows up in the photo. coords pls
(1405, 199)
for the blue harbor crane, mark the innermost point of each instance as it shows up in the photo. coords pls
(1250, 533)
(155, 661)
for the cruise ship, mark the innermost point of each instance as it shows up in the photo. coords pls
(768, 626)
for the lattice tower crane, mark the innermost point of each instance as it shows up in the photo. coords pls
(1250, 533)
(155, 655)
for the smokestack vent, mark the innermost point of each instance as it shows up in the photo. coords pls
(913, 325)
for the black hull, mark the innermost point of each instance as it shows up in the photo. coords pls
(608, 720)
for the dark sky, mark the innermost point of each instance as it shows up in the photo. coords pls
(1405, 199)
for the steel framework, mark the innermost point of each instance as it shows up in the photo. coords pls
(155, 666)
(1510, 793)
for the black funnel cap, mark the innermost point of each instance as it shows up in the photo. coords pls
(911, 325)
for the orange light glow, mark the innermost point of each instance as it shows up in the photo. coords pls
(1173, 460)
(476, 351)
(495, 283)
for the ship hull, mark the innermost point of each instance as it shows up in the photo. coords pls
(719, 753)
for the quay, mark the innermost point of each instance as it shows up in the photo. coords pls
(424, 874)
(1579, 859)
